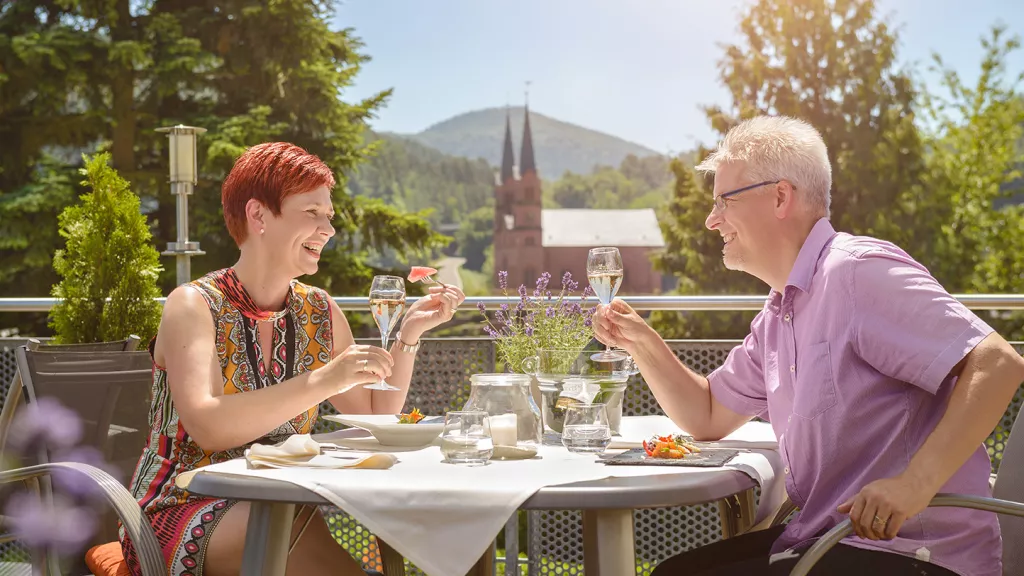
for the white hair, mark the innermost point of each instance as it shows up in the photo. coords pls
(779, 148)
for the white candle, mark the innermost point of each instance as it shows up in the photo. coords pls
(504, 429)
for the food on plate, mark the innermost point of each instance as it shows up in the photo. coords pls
(410, 418)
(672, 447)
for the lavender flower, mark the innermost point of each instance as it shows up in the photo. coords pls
(522, 291)
(550, 312)
(588, 322)
(542, 282)
(529, 330)
(480, 306)
(575, 308)
(76, 485)
(45, 423)
(566, 278)
(504, 307)
(521, 306)
(588, 291)
(503, 279)
(65, 527)
(491, 332)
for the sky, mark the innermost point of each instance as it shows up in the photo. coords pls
(637, 69)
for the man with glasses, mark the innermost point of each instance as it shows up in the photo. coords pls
(880, 386)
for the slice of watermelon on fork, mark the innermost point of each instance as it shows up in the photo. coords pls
(423, 274)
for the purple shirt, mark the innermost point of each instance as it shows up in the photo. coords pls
(850, 364)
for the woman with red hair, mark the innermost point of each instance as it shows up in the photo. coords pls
(246, 354)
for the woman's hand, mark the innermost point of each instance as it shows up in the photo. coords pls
(430, 311)
(358, 365)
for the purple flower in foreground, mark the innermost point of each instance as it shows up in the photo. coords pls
(491, 332)
(522, 291)
(550, 312)
(45, 423)
(529, 330)
(566, 278)
(588, 322)
(542, 282)
(480, 306)
(504, 307)
(65, 527)
(503, 279)
(77, 485)
(521, 306)
(588, 291)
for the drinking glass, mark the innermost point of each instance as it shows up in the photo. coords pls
(604, 271)
(387, 303)
(466, 438)
(586, 429)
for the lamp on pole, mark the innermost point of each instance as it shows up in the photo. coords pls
(183, 176)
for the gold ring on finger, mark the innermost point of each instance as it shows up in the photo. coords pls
(880, 521)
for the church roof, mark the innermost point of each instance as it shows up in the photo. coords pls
(527, 163)
(593, 228)
(507, 159)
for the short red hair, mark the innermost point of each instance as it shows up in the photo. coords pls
(269, 173)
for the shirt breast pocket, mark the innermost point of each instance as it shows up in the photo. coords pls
(814, 391)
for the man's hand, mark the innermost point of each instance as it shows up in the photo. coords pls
(620, 326)
(879, 510)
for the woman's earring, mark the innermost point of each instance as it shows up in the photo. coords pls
(262, 231)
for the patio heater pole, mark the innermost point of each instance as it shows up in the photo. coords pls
(183, 177)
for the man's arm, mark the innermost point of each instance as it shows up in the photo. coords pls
(684, 395)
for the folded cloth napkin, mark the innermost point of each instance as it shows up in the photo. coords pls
(300, 450)
(751, 436)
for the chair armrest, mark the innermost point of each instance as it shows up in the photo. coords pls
(128, 511)
(845, 528)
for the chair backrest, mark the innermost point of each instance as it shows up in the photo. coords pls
(127, 345)
(109, 391)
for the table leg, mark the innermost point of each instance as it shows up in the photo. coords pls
(737, 513)
(266, 538)
(485, 565)
(608, 543)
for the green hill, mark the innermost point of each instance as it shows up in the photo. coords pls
(559, 146)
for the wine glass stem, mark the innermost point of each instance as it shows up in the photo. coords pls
(384, 345)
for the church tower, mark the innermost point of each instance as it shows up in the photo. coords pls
(517, 218)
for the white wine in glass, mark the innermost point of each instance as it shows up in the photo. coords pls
(604, 271)
(387, 303)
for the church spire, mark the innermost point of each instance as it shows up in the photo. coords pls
(507, 155)
(527, 163)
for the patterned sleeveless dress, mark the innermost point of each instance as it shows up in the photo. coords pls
(302, 341)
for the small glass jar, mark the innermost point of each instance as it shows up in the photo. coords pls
(514, 417)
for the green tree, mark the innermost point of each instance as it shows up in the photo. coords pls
(109, 267)
(85, 75)
(831, 63)
(970, 237)
(475, 234)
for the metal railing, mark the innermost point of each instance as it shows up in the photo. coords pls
(643, 303)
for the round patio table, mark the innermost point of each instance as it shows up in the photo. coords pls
(607, 507)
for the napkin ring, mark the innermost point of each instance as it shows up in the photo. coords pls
(411, 349)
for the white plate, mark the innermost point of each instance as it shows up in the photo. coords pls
(386, 429)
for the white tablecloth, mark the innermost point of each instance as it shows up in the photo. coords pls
(444, 517)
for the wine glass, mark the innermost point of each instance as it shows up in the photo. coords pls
(604, 270)
(387, 302)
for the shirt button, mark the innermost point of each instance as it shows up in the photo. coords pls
(789, 418)
(786, 318)
(786, 469)
(792, 367)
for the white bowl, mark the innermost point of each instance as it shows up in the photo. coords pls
(386, 429)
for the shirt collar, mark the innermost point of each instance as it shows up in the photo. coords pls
(807, 260)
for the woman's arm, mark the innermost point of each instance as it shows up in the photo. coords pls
(217, 421)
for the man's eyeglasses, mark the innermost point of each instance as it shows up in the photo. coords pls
(720, 199)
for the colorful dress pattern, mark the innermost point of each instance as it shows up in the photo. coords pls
(302, 341)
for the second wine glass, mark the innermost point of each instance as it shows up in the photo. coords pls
(387, 303)
(604, 271)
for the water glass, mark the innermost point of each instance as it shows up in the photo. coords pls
(466, 438)
(586, 429)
